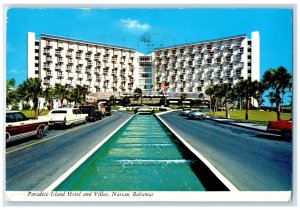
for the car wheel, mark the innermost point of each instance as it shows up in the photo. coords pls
(40, 132)
(85, 121)
(71, 125)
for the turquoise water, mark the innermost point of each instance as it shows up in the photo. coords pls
(141, 156)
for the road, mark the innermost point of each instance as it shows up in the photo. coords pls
(35, 164)
(251, 160)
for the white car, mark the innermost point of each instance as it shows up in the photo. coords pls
(196, 115)
(65, 117)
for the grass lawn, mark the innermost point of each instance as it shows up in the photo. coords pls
(30, 113)
(255, 116)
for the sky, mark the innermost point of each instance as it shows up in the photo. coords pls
(146, 29)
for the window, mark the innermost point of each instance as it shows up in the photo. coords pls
(20, 117)
(59, 112)
(10, 117)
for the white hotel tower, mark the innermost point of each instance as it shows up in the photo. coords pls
(193, 67)
(188, 68)
(99, 67)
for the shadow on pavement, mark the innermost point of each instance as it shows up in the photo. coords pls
(271, 137)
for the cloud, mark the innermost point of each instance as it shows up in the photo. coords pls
(135, 24)
(15, 71)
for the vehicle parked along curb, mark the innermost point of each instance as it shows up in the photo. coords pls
(18, 126)
(65, 117)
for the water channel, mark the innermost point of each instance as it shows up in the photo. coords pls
(142, 156)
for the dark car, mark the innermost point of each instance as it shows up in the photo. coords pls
(107, 110)
(92, 111)
(19, 126)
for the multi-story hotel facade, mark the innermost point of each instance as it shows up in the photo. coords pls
(193, 67)
(189, 68)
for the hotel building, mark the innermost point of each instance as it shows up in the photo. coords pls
(193, 67)
(103, 68)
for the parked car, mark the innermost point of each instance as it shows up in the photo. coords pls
(107, 110)
(65, 117)
(92, 111)
(19, 126)
(196, 114)
(185, 111)
(282, 127)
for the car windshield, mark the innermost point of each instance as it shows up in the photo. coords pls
(59, 112)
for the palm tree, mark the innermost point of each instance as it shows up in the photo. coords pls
(183, 98)
(10, 92)
(225, 92)
(112, 100)
(210, 92)
(48, 94)
(278, 80)
(31, 90)
(78, 95)
(201, 97)
(61, 93)
(10, 83)
(138, 93)
(247, 89)
(272, 99)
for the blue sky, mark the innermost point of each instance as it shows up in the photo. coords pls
(157, 27)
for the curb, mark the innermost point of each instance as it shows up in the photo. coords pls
(241, 126)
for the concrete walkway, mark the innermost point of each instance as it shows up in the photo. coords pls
(238, 123)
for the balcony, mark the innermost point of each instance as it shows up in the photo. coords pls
(46, 66)
(97, 57)
(46, 81)
(218, 46)
(237, 58)
(219, 74)
(238, 43)
(49, 59)
(49, 44)
(98, 64)
(58, 67)
(228, 73)
(80, 62)
(78, 69)
(240, 51)
(238, 73)
(58, 52)
(89, 63)
(71, 61)
(60, 44)
(48, 73)
(69, 54)
(240, 66)
(80, 76)
(88, 56)
(79, 55)
(71, 75)
(69, 68)
(60, 74)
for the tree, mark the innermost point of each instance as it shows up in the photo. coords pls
(61, 93)
(225, 92)
(112, 100)
(11, 94)
(201, 98)
(277, 80)
(78, 95)
(31, 90)
(247, 89)
(183, 97)
(138, 93)
(125, 101)
(48, 94)
(210, 92)
(272, 99)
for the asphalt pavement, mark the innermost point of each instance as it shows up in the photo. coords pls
(249, 159)
(32, 165)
